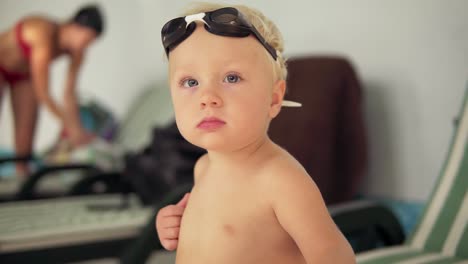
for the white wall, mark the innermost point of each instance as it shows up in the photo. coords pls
(114, 70)
(412, 57)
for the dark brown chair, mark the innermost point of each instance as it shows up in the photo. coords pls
(327, 134)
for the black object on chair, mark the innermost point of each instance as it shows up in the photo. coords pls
(367, 225)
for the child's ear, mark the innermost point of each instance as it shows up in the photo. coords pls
(277, 98)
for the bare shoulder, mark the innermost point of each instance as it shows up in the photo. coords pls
(282, 167)
(283, 175)
(200, 167)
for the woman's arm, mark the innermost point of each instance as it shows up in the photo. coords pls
(41, 58)
(70, 99)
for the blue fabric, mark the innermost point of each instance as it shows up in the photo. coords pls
(408, 212)
(6, 170)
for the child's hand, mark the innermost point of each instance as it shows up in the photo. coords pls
(168, 223)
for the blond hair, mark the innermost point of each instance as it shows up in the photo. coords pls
(264, 26)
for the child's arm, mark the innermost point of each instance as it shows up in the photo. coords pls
(301, 211)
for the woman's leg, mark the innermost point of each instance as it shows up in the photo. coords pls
(25, 112)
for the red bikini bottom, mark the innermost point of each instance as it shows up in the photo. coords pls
(13, 77)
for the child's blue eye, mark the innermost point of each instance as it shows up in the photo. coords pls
(232, 78)
(190, 83)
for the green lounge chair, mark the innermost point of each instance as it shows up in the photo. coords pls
(441, 235)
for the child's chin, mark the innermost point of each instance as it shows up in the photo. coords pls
(212, 144)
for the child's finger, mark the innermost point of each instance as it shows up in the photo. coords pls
(171, 210)
(170, 244)
(184, 201)
(169, 222)
(171, 233)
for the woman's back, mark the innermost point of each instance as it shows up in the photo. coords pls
(16, 42)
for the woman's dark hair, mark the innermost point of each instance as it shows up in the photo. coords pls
(90, 16)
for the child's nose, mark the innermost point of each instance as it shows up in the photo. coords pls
(210, 99)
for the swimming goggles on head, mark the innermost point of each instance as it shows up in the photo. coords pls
(226, 21)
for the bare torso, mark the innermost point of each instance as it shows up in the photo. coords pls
(229, 220)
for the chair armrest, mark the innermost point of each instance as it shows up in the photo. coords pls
(27, 190)
(368, 223)
(14, 159)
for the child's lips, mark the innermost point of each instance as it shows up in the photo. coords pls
(211, 123)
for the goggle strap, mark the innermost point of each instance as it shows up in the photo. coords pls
(287, 103)
(195, 17)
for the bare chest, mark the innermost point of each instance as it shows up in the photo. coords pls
(231, 222)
